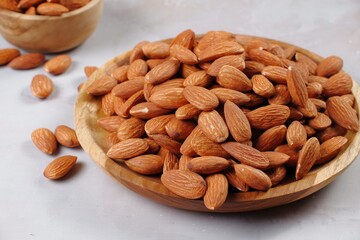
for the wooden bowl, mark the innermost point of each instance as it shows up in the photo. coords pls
(50, 34)
(92, 139)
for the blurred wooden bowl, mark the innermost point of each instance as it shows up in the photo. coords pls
(50, 34)
(92, 139)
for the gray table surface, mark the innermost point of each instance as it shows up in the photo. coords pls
(91, 205)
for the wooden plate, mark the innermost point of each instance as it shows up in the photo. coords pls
(92, 139)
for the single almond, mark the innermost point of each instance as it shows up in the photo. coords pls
(157, 125)
(107, 104)
(41, 86)
(8, 54)
(137, 68)
(293, 153)
(213, 126)
(201, 98)
(169, 98)
(253, 67)
(186, 147)
(120, 73)
(146, 164)
(342, 113)
(331, 148)
(110, 123)
(89, 70)
(131, 128)
(101, 85)
(295, 114)
(276, 159)
(153, 146)
(309, 154)
(289, 52)
(183, 54)
(58, 65)
(264, 57)
(124, 110)
(276, 175)
(311, 64)
(314, 89)
(246, 154)
(210, 38)
(185, 39)
(337, 85)
(27, 61)
(208, 164)
(330, 132)
(296, 135)
(51, 9)
(128, 148)
(220, 49)
(234, 180)
(281, 96)
(137, 52)
(183, 162)
(268, 116)
(262, 86)
(237, 122)
(225, 94)
(163, 71)
(320, 122)
(73, 4)
(156, 50)
(199, 78)
(154, 62)
(59, 167)
(296, 86)
(187, 111)
(309, 110)
(179, 129)
(172, 83)
(166, 142)
(186, 70)
(271, 138)
(184, 183)
(329, 66)
(128, 88)
(275, 73)
(66, 136)
(216, 192)
(44, 140)
(233, 78)
(236, 61)
(203, 146)
(253, 177)
(171, 162)
(148, 110)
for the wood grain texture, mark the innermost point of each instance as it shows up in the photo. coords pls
(49, 34)
(92, 139)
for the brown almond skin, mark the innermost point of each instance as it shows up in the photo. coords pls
(101, 85)
(213, 126)
(187, 111)
(120, 73)
(329, 66)
(44, 140)
(219, 49)
(236, 61)
(59, 167)
(128, 148)
(208, 164)
(271, 138)
(262, 86)
(138, 68)
(332, 131)
(186, 39)
(277, 174)
(27, 61)
(163, 71)
(269, 116)
(201, 98)
(199, 78)
(184, 183)
(342, 113)
(131, 128)
(128, 88)
(255, 178)
(276, 159)
(148, 110)
(275, 73)
(171, 162)
(183, 54)
(146, 164)
(157, 125)
(237, 122)
(8, 54)
(225, 94)
(234, 180)
(331, 148)
(156, 50)
(203, 146)
(169, 98)
(233, 78)
(137, 52)
(320, 122)
(41, 86)
(179, 129)
(58, 65)
(296, 135)
(216, 192)
(66, 136)
(281, 96)
(166, 142)
(293, 153)
(110, 123)
(309, 154)
(337, 85)
(264, 57)
(51, 9)
(296, 86)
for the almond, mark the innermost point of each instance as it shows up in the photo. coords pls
(271, 138)
(58, 65)
(147, 110)
(199, 78)
(137, 52)
(118, 102)
(59, 167)
(186, 147)
(74, 4)
(296, 86)
(349, 98)
(153, 146)
(233, 78)
(309, 131)
(317, 79)
(89, 70)
(216, 192)
(337, 85)
(281, 96)
(66, 136)
(311, 64)
(309, 154)
(183, 54)
(213, 126)
(210, 38)
(183, 162)
(225, 94)
(157, 125)
(237, 122)
(314, 90)
(124, 110)
(309, 110)
(156, 50)
(51, 9)
(163, 71)
(128, 148)
(137, 68)
(8, 54)
(27, 61)
(169, 98)
(128, 88)
(184, 183)
(187, 111)
(342, 113)
(131, 128)
(264, 57)
(296, 135)
(148, 87)
(110, 123)
(253, 67)
(293, 153)
(331, 148)
(10, 5)
(320, 122)
(203, 146)
(236, 61)
(107, 104)
(268, 116)
(262, 86)
(219, 49)
(276, 159)
(275, 73)
(185, 39)
(170, 162)
(329, 66)
(120, 73)
(179, 129)
(186, 70)
(250, 42)
(44, 140)
(289, 52)
(234, 180)
(111, 140)
(41, 86)
(332, 131)
(246, 154)
(277, 174)
(101, 85)
(295, 114)
(201, 98)
(154, 62)
(146, 164)
(173, 83)
(253, 177)
(166, 142)
(208, 164)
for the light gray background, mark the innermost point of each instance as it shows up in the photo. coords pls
(89, 204)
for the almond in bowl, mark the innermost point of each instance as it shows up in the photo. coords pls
(220, 122)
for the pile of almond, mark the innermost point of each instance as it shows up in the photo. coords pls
(223, 111)
(43, 7)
